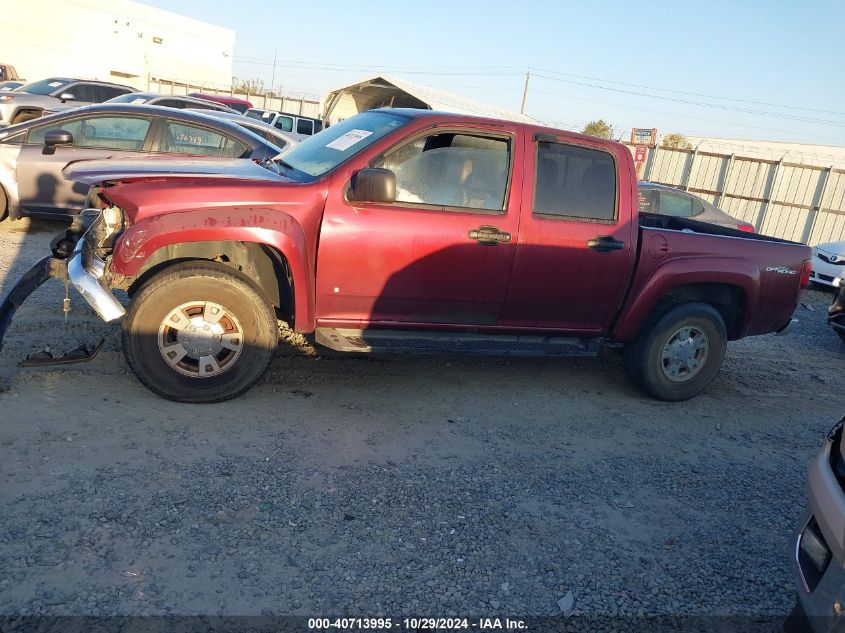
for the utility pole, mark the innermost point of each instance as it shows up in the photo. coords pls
(525, 91)
(273, 79)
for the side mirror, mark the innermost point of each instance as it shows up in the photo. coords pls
(54, 138)
(373, 185)
(67, 96)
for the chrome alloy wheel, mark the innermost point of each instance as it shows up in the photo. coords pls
(200, 339)
(684, 354)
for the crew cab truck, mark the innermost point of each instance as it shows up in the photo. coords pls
(414, 231)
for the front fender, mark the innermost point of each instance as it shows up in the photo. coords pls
(647, 293)
(246, 224)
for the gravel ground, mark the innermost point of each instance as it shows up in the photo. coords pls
(347, 485)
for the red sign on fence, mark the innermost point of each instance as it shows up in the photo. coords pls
(640, 154)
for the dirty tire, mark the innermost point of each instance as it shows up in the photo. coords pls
(643, 358)
(199, 283)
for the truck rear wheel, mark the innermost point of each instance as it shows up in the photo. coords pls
(678, 353)
(197, 332)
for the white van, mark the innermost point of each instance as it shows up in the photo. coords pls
(292, 123)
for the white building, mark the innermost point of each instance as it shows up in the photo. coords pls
(113, 40)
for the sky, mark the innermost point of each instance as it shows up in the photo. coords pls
(742, 70)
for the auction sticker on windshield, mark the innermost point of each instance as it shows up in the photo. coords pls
(349, 139)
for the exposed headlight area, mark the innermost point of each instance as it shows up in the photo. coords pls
(813, 555)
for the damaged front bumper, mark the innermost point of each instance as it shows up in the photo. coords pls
(86, 270)
(77, 257)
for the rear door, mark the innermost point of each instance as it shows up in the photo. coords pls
(41, 186)
(577, 241)
(442, 253)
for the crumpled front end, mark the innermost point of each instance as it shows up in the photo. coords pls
(79, 255)
(86, 267)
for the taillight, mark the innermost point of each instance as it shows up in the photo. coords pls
(745, 226)
(805, 273)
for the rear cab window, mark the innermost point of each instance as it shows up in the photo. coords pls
(574, 182)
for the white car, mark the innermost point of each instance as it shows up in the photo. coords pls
(828, 263)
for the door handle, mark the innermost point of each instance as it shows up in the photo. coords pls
(489, 235)
(605, 244)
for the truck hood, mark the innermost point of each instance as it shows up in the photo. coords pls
(93, 172)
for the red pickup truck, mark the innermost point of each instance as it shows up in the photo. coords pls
(413, 231)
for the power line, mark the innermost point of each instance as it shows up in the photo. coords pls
(513, 70)
(683, 116)
(696, 103)
(692, 94)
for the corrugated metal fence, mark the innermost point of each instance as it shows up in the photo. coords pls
(804, 203)
(290, 105)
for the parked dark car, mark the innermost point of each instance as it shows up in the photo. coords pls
(11, 85)
(33, 154)
(818, 554)
(241, 105)
(275, 136)
(172, 101)
(180, 102)
(665, 200)
(31, 100)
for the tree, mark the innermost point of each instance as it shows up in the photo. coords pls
(248, 86)
(676, 140)
(598, 128)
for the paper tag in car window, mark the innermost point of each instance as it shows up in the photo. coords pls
(139, 100)
(54, 84)
(349, 139)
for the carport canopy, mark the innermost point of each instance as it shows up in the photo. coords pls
(383, 91)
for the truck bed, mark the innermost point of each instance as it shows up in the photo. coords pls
(758, 273)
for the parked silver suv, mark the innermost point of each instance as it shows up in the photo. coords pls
(31, 100)
(819, 545)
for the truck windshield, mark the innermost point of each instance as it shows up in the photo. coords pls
(321, 153)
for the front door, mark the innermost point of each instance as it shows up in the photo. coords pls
(42, 188)
(442, 253)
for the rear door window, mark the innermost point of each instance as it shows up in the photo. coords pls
(304, 126)
(181, 138)
(284, 123)
(104, 93)
(574, 182)
(646, 201)
(676, 205)
(80, 92)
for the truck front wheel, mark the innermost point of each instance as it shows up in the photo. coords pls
(197, 333)
(678, 353)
